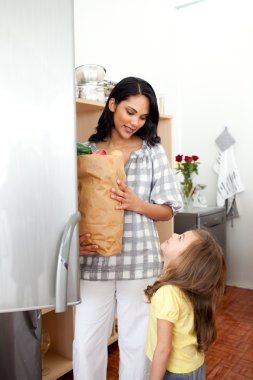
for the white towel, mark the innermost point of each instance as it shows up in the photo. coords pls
(229, 180)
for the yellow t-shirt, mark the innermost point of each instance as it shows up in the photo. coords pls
(169, 303)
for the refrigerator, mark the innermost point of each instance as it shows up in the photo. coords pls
(39, 266)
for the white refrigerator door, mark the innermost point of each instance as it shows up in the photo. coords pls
(38, 182)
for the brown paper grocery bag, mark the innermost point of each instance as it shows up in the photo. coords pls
(97, 174)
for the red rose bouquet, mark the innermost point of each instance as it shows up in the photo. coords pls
(187, 166)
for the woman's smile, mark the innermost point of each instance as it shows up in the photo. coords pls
(129, 129)
(130, 115)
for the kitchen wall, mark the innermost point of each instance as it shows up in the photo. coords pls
(130, 38)
(200, 58)
(215, 58)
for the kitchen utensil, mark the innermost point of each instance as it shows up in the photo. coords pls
(108, 86)
(89, 73)
(92, 91)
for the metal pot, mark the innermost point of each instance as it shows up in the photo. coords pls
(91, 91)
(89, 73)
(108, 85)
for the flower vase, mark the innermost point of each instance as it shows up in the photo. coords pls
(187, 190)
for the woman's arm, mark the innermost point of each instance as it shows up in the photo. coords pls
(155, 212)
(129, 201)
(162, 350)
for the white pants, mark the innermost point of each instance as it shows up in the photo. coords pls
(93, 327)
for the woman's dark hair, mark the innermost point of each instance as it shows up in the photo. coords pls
(199, 272)
(127, 87)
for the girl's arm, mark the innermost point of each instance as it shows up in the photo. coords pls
(129, 201)
(162, 350)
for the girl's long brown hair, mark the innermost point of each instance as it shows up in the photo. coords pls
(200, 273)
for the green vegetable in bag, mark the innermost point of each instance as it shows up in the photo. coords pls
(82, 149)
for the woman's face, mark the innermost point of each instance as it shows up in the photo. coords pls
(177, 244)
(129, 115)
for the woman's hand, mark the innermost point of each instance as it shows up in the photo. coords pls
(129, 201)
(126, 196)
(85, 245)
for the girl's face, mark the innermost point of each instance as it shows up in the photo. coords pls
(129, 115)
(177, 244)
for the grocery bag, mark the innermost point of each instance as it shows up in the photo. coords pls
(97, 174)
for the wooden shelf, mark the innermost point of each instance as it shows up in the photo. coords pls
(85, 105)
(114, 335)
(45, 311)
(61, 329)
(112, 339)
(57, 365)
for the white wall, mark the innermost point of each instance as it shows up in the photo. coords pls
(215, 40)
(200, 57)
(129, 38)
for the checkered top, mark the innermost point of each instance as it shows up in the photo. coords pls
(149, 175)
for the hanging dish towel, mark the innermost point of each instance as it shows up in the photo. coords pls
(229, 180)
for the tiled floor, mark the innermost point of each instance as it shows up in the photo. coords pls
(231, 356)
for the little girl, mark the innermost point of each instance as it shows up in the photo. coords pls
(183, 302)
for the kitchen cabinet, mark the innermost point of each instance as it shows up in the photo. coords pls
(58, 360)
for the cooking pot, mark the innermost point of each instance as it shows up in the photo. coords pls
(91, 91)
(108, 85)
(89, 73)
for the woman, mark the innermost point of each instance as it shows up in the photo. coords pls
(128, 123)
